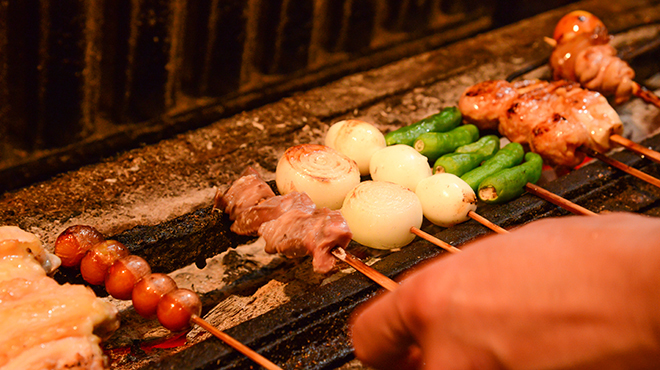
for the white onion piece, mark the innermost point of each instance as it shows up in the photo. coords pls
(356, 139)
(446, 199)
(380, 214)
(320, 171)
(400, 164)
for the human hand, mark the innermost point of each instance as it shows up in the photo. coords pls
(571, 292)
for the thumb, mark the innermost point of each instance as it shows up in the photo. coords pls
(381, 338)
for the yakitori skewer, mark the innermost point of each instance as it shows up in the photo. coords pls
(247, 351)
(557, 200)
(623, 167)
(365, 269)
(129, 276)
(638, 90)
(432, 239)
(633, 146)
(582, 53)
(484, 221)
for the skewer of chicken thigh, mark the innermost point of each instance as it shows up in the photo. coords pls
(582, 53)
(554, 119)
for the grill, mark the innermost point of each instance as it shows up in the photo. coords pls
(156, 198)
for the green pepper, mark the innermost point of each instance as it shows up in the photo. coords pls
(435, 144)
(467, 157)
(447, 119)
(511, 155)
(510, 183)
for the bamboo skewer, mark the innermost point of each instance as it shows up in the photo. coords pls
(637, 89)
(623, 167)
(430, 238)
(645, 94)
(557, 200)
(254, 356)
(639, 149)
(368, 271)
(482, 220)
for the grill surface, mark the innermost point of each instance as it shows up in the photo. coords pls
(156, 199)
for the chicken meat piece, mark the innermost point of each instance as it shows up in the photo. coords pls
(557, 141)
(46, 325)
(248, 222)
(247, 191)
(526, 111)
(298, 233)
(73, 353)
(589, 59)
(33, 247)
(594, 112)
(484, 103)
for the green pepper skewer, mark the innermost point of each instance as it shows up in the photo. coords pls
(434, 144)
(510, 182)
(448, 119)
(511, 155)
(467, 157)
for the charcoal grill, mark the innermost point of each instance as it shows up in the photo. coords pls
(309, 329)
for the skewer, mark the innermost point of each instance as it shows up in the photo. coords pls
(254, 356)
(365, 269)
(484, 221)
(557, 200)
(623, 167)
(637, 89)
(645, 94)
(430, 238)
(639, 149)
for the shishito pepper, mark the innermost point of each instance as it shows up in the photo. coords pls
(434, 144)
(467, 157)
(511, 155)
(510, 183)
(447, 119)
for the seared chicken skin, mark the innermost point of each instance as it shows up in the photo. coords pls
(553, 119)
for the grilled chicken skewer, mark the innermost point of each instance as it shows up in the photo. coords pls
(554, 119)
(582, 53)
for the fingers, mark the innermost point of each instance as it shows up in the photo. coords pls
(381, 338)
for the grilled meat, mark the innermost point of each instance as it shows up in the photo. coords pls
(553, 119)
(247, 191)
(45, 325)
(298, 233)
(589, 59)
(249, 221)
(290, 224)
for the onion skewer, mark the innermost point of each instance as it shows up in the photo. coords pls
(484, 221)
(557, 200)
(368, 271)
